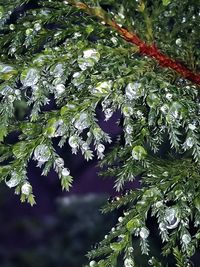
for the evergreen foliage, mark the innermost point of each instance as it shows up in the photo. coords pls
(140, 58)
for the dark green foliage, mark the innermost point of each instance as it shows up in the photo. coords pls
(54, 50)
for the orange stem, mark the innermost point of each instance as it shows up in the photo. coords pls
(149, 50)
(153, 52)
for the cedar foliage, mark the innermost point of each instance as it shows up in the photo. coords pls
(140, 58)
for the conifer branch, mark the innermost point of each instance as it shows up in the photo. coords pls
(145, 49)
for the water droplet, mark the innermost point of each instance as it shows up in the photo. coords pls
(114, 40)
(186, 239)
(134, 90)
(190, 264)
(11, 98)
(169, 96)
(165, 174)
(129, 129)
(76, 35)
(164, 108)
(130, 249)
(78, 78)
(37, 26)
(153, 100)
(159, 204)
(189, 142)
(57, 70)
(17, 92)
(108, 113)
(179, 42)
(26, 189)
(6, 68)
(128, 262)
(13, 50)
(175, 112)
(28, 31)
(171, 218)
(102, 87)
(82, 122)
(91, 53)
(83, 64)
(34, 13)
(59, 128)
(29, 77)
(85, 146)
(120, 219)
(105, 103)
(89, 59)
(14, 180)
(150, 262)
(65, 172)
(191, 126)
(144, 233)
(12, 27)
(42, 153)
(92, 263)
(139, 153)
(127, 111)
(183, 20)
(101, 148)
(73, 141)
(60, 89)
(139, 114)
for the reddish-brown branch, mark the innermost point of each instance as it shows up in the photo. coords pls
(153, 52)
(149, 50)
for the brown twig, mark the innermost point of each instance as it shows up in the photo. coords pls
(149, 50)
